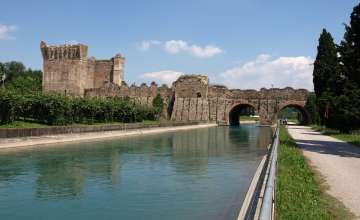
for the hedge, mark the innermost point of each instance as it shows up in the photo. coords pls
(55, 109)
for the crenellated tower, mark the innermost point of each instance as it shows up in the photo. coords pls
(68, 70)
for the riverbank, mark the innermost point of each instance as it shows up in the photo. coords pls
(6, 143)
(301, 192)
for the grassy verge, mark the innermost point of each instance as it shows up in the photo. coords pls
(23, 124)
(248, 118)
(353, 139)
(30, 124)
(299, 192)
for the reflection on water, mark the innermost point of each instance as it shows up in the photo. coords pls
(195, 174)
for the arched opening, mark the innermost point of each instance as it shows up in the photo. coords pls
(241, 112)
(294, 114)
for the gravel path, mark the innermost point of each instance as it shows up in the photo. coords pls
(336, 160)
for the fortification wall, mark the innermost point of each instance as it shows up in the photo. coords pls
(68, 70)
(196, 100)
(191, 98)
(142, 94)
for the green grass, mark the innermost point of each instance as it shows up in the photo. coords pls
(23, 124)
(248, 118)
(30, 124)
(299, 193)
(353, 139)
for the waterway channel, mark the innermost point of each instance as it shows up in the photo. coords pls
(194, 174)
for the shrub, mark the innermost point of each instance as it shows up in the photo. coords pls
(55, 109)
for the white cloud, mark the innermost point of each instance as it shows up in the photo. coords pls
(266, 71)
(5, 31)
(207, 51)
(161, 77)
(146, 44)
(176, 46)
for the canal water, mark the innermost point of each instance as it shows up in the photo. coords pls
(196, 174)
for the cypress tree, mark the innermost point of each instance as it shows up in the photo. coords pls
(326, 72)
(346, 105)
(350, 48)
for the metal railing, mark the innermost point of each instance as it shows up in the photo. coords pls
(259, 201)
(267, 210)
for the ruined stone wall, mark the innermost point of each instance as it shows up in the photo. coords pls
(196, 100)
(68, 70)
(191, 99)
(65, 68)
(142, 94)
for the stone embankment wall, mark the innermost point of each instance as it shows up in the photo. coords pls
(56, 130)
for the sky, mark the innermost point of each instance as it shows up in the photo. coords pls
(245, 44)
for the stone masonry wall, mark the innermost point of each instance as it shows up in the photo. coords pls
(140, 94)
(196, 100)
(68, 70)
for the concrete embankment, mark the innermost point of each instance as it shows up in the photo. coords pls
(6, 143)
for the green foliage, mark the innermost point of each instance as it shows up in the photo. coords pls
(350, 48)
(158, 104)
(326, 63)
(8, 106)
(15, 76)
(289, 113)
(12, 69)
(298, 195)
(311, 108)
(27, 82)
(337, 78)
(326, 72)
(55, 109)
(353, 138)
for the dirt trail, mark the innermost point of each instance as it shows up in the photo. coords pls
(336, 160)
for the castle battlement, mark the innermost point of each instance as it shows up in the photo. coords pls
(66, 51)
(68, 70)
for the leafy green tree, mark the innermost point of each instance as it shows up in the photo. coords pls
(2, 73)
(28, 82)
(158, 104)
(13, 69)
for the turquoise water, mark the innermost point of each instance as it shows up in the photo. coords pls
(195, 174)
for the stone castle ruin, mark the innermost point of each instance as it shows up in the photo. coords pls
(68, 70)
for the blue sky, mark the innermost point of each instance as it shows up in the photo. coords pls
(239, 43)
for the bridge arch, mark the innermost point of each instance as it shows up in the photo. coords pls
(305, 116)
(239, 109)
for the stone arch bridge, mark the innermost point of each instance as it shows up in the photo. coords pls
(194, 99)
(191, 98)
